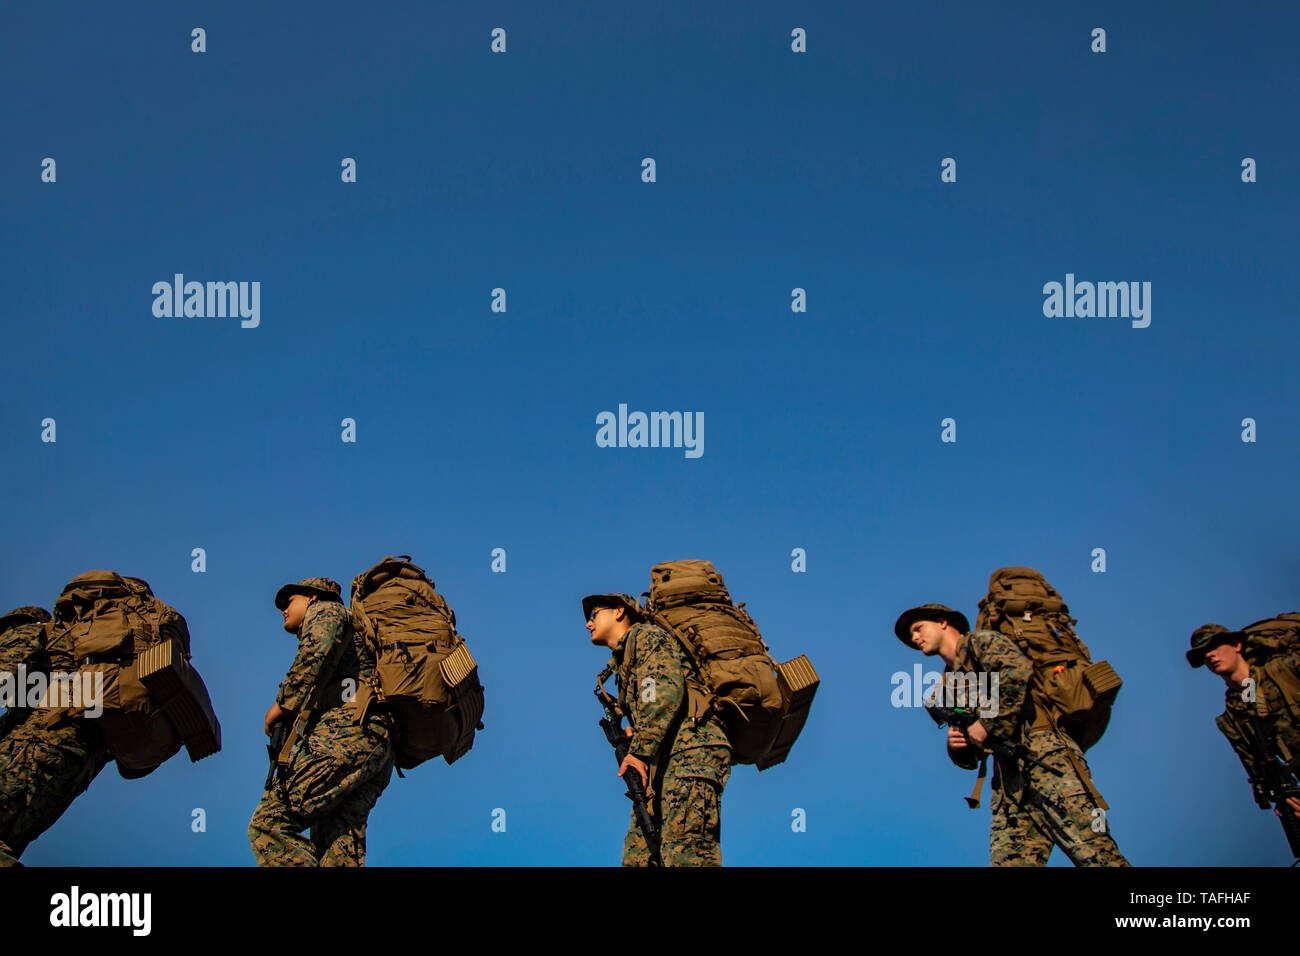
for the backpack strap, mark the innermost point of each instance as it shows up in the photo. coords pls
(701, 702)
(622, 664)
(368, 692)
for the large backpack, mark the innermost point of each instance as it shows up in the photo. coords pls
(1271, 637)
(762, 704)
(1069, 691)
(154, 701)
(426, 676)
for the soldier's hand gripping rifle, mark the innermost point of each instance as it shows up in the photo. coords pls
(963, 717)
(1274, 782)
(279, 731)
(611, 723)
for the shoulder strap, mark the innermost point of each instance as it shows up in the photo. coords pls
(624, 665)
(701, 699)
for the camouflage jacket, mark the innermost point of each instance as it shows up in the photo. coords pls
(1277, 700)
(653, 671)
(23, 644)
(325, 624)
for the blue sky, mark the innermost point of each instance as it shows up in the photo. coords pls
(476, 429)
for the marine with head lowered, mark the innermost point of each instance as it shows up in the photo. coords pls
(1043, 791)
(332, 768)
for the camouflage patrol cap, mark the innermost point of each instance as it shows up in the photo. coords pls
(1209, 636)
(324, 588)
(27, 614)
(592, 601)
(928, 612)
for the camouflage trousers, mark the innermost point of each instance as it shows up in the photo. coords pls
(42, 770)
(333, 781)
(686, 804)
(1034, 809)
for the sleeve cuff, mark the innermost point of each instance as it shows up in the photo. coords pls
(642, 749)
(999, 728)
(287, 699)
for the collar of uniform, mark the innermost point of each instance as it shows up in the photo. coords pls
(628, 635)
(963, 648)
(1233, 694)
(313, 610)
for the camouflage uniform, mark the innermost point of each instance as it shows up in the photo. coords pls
(22, 643)
(689, 760)
(1033, 808)
(337, 774)
(1277, 701)
(46, 760)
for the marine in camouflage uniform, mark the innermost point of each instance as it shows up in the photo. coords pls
(687, 760)
(1276, 693)
(47, 759)
(1033, 809)
(341, 767)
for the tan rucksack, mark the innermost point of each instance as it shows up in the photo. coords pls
(1271, 637)
(762, 704)
(154, 700)
(426, 676)
(1069, 691)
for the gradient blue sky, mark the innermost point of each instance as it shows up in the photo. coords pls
(476, 429)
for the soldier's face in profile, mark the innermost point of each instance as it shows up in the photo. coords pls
(601, 624)
(295, 611)
(926, 636)
(1222, 658)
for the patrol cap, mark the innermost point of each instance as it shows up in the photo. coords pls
(928, 612)
(1209, 636)
(324, 588)
(592, 601)
(27, 614)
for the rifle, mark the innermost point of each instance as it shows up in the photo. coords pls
(611, 723)
(279, 731)
(963, 717)
(1274, 781)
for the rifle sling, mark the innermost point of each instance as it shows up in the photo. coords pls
(973, 801)
(305, 715)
